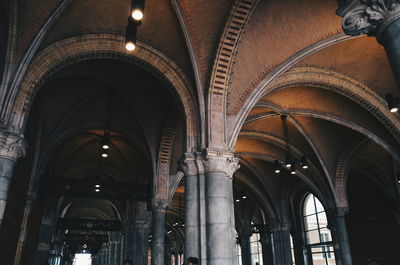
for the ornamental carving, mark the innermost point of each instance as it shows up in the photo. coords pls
(369, 16)
(188, 165)
(160, 205)
(12, 146)
(218, 161)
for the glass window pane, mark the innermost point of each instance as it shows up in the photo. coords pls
(325, 235)
(323, 221)
(311, 222)
(319, 206)
(313, 237)
(309, 207)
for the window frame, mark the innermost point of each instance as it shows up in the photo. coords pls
(326, 248)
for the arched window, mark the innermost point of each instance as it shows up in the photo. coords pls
(318, 239)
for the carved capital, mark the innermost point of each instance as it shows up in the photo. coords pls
(368, 16)
(160, 205)
(12, 146)
(221, 161)
(189, 165)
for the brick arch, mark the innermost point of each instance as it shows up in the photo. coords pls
(333, 81)
(341, 171)
(98, 46)
(222, 69)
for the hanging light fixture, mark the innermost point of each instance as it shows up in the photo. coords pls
(104, 154)
(137, 10)
(290, 161)
(303, 162)
(293, 169)
(393, 102)
(277, 167)
(130, 38)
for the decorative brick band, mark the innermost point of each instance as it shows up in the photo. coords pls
(228, 45)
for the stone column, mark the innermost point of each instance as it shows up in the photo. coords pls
(112, 252)
(45, 235)
(142, 230)
(117, 255)
(337, 225)
(219, 168)
(267, 247)
(12, 147)
(192, 211)
(281, 240)
(246, 251)
(30, 200)
(375, 18)
(158, 240)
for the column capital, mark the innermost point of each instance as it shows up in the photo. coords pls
(12, 146)
(217, 160)
(189, 164)
(160, 205)
(368, 16)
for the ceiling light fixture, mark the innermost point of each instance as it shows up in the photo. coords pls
(130, 38)
(290, 161)
(393, 102)
(137, 10)
(293, 169)
(277, 167)
(303, 162)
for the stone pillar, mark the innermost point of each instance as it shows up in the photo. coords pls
(30, 200)
(267, 247)
(12, 147)
(219, 168)
(192, 205)
(117, 255)
(281, 241)
(337, 225)
(141, 235)
(246, 251)
(158, 240)
(375, 18)
(45, 235)
(113, 251)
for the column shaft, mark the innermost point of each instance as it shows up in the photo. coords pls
(390, 39)
(158, 240)
(6, 171)
(191, 217)
(246, 251)
(282, 250)
(343, 240)
(218, 219)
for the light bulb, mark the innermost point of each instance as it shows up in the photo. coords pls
(105, 146)
(97, 186)
(97, 190)
(104, 155)
(130, 46)
(305, 166)
(394, 109)
(137, 14)
(277, 171)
